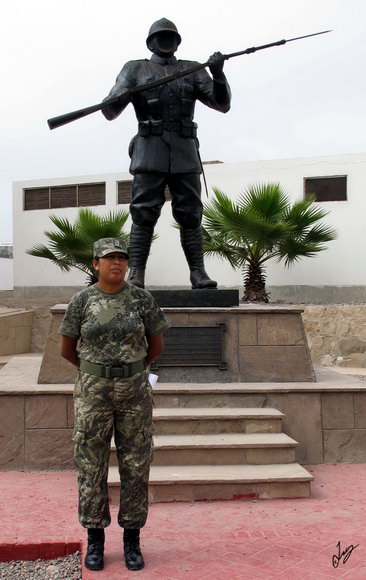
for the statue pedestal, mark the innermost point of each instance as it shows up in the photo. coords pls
(209, 298)
(259, 344)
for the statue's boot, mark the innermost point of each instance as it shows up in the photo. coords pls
(140, 242)
(191, 241)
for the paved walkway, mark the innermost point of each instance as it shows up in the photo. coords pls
(284, 539)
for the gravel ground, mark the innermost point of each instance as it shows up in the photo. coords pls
(67, 568)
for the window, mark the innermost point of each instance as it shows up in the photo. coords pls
(327, 188)
(63, 196)
(91, 194)
(81, 195)
(124, 192)
(38, 198)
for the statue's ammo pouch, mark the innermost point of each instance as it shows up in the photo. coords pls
(188, 129)
(152, 127)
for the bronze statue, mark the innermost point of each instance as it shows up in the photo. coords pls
(163, 91)
(165, 149)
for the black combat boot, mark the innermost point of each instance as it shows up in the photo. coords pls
(140, 242)
(94, 559)
(131, 545)
(191, 241)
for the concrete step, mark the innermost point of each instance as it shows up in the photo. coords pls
(221, 482)
(221, 449)
(179, 421)
(205, 395)
(213, 394)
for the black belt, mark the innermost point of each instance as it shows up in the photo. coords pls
(123, 371)
(185, 127)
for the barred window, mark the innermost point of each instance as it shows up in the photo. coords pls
(64, 196)
(333, 188)
(124, 192)
(79, 195)
(91, 194)
(37, 198)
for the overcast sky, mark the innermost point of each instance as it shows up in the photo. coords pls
(305, 98)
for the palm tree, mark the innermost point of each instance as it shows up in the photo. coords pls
(263, 225)
(71, 246)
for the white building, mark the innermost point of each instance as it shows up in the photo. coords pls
(336, 275)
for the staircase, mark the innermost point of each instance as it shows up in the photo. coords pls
(217, 452)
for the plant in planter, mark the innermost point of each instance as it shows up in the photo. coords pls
(263, 225)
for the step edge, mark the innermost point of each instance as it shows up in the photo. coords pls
(158, 445)
(194, 480)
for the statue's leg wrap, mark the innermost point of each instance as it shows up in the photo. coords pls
(191, 240)
(140, 242)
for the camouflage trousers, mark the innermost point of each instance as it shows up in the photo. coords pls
(101, 407)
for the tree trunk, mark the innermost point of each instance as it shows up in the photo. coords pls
(254, 284)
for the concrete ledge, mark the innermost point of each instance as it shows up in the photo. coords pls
(20, 375)
(15, 331)
(289, 294)
(327, 418)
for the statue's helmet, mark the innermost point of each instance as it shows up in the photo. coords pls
(163, 25)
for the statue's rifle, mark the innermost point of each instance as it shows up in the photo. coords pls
(74, 115)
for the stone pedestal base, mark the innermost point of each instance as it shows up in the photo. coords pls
(261, 344)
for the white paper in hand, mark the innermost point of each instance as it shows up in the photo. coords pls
(153, 379)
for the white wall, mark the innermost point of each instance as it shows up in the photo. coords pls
(341, 264)
(6, 274)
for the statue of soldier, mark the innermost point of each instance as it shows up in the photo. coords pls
(165, 149)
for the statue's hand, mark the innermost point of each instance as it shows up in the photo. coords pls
(216, 64)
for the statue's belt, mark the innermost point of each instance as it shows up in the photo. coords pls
(106, 372)
(186, 128)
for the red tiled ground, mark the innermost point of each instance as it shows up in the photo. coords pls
(238, 540)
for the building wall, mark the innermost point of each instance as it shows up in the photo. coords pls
(6, 274)
(340, 271)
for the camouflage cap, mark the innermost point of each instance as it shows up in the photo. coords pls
(106, 246)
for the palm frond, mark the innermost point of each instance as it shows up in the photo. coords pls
(321, 234)
(92, 227)
(215, 245)
(303, 213)
(268, 201)
(62, 223)
(41, 251)
(71, 245)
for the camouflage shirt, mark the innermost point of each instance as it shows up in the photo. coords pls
(112, 327)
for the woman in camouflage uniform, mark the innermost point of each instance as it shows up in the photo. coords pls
(119, 328)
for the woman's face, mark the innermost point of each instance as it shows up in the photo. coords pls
(111, 268)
